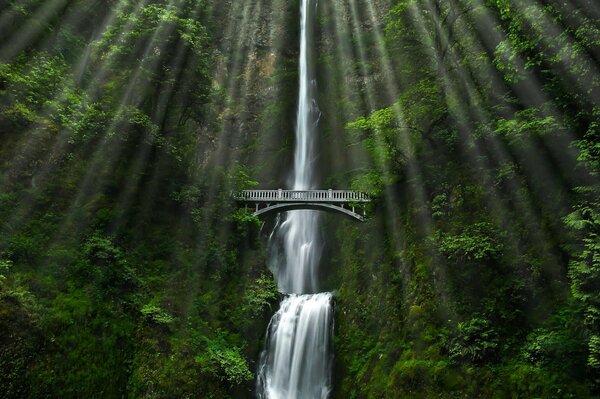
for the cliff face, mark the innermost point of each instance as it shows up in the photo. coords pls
(126, 270)
(124, 267)
(452, 287)
(255, 76)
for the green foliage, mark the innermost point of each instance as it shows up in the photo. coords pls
(224, 361)
(155, 314)
(5, 266)
(475, 341)
(584, 271)
(526, 126)
(414, 375)
(106, 266)
(118, 42)
(93, 345)
(238, 177)
(558, 345)
(589, 146)
(478, 188)
(21, 340)
(594, 352)
(533, 43)
(31, 81)
(526, 380)
(477, 242)
(370, 182)
(471, 121)
(389, 143)
(111, 288)
(242, 216)
(261, 294)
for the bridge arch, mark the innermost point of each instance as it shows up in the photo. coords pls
(290, 206)
(341, 201)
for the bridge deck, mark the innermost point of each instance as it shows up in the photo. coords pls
(325, 196)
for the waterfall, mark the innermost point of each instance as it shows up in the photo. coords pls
(296, 362)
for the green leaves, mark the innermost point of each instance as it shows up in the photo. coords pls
(589, 145)
(34, 80)
(584, 268)
(594, 352)
(477, 242)
(389, 144)
(475, 341)
(242, 217)
(31, 85)
(576, 220)
(260, 295)
(156, 314)
(557, 345)
(238, 177)
(370, 181)
(224, 361)
(106, 267)
(5, 266)
(526, 126)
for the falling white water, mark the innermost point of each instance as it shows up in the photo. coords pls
(296, 363)
(308, 109)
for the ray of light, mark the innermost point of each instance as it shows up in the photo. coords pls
(31, 30)
(239, 67)
(568, 56)
(275, 94)
(61, 141)
(471, 148)
(242, 70)
(534, 161)
(345, 28)
(100, 162)
(340, 79)
(27, 149)
(126, 197)
(414, 178)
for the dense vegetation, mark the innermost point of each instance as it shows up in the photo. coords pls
(126, 270)
(485, 159)
(120, 277)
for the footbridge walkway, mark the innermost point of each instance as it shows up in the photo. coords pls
(344, 201)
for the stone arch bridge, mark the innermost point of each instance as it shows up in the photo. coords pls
(349, 203)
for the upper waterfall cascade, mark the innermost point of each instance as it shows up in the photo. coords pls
(296, 362)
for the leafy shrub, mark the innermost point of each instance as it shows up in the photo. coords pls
(475, 341)
(584, 271)
(156, 314)
(224, 361)
(237, 177)
(478, 242)
(244, 217)
(261, 294)
(594, 355)
(106, 266)
(541, 346)
(558, 343)
(418, 375)
(5, 266)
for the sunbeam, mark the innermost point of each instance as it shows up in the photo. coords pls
(299, 200)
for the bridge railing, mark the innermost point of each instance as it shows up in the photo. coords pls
(301, 196)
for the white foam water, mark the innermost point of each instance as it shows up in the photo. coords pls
(296, 362)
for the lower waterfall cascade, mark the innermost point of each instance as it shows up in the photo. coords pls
(296, 362)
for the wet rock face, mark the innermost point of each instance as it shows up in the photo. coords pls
(252, 112)
(350, 75)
